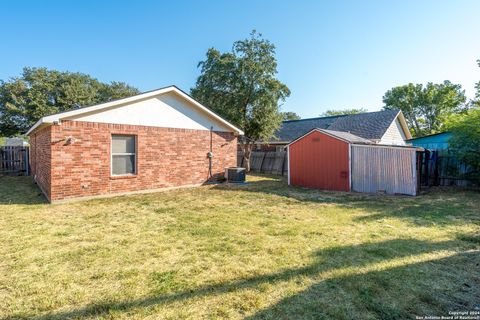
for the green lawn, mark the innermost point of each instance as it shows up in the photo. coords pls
(260, 251)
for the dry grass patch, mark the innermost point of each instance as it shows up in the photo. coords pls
(260, 251)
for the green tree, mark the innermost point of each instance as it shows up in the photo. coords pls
(289, 115)
(426, 108)
(116, 90)
(39, 92)
(477, 87)
(407, 98)
(241, 86)
(329, 113)
(465, 141)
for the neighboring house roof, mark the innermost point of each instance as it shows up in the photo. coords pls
(292, 129)
(371, 125)
(435, 141)
(49, 120)
(441, 136)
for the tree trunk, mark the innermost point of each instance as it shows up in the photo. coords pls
(247, 151)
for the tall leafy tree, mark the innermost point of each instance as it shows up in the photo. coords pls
(332, 112)
(477, 87)
(426, 108)
(290, 115)
(241, 86)
(39, 92)
(407, 98)
(465, 141)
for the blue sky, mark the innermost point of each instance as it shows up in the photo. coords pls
(332, 55)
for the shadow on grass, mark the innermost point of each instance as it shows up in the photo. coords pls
(445, 206)
(20, 190)
(366, 289)
(397, 293)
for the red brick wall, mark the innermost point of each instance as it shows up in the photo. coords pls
(40, 158)
(166, 157)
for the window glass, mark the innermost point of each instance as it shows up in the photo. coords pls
(123, 155)
(123, 144)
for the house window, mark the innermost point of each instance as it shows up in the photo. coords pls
(123, 155)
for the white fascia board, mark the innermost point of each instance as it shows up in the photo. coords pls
(59, 116)
(404, 125)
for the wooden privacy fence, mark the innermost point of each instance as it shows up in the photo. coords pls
(266, 162)
(14, 161)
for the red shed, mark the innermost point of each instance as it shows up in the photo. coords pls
(340, 161)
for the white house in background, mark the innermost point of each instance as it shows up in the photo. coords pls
(17, 142)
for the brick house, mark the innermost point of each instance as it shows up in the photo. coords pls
(154, 140)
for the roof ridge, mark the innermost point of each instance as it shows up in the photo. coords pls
(341, 115)
(316, 118)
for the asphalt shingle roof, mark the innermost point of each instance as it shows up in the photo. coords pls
(371, 125)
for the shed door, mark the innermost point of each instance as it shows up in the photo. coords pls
(384, 169)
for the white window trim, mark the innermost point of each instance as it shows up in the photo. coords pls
(123, 154)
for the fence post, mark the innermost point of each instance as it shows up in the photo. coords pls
(436, 180)
(27, 161)
(263, 160)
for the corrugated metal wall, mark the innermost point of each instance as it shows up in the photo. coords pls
(319, 161)
(386, 169)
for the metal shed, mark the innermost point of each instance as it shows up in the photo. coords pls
(340, 161)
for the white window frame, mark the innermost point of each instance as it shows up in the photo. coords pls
(123, 154)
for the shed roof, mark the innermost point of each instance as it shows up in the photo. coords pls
(347, 136)
(344, 136)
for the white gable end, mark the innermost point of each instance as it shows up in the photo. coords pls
(394, 134)
(167, 110)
